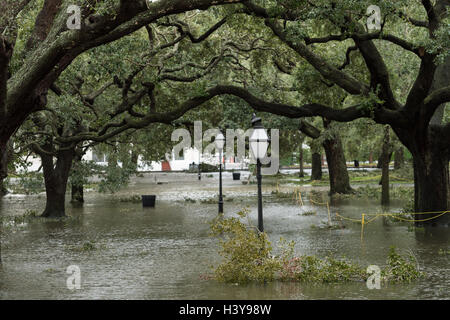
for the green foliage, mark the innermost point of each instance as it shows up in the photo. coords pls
(443, 252)
(314, 270)
(252, 69)
(409, 206)
(81, 171)
(374, 192)
(115, 177)
(401, 269)
(205, 167)
(246, 252)
(31, 183)
(248, 257)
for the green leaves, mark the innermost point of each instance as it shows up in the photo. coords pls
(401, 269)
(247, 257)
(246, 252)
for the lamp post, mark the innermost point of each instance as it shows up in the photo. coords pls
(259, 143)
(220, 142)
(199, 173)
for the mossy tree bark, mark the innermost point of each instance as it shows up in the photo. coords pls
(334, 151)
(56, 176)
(316, 166)
(337, 165)
(385, 159)
(301, 172)
(77, 185)
(399, 158)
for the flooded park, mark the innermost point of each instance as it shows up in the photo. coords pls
(224, 150)
(126, 251)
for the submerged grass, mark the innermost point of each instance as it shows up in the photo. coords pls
(135, 198)
(374, 192)
(309, 213)
(31, 216)
(86, 247)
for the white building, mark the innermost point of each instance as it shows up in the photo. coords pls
(176, 163)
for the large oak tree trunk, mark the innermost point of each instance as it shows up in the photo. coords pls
(56, 177)
(431, 172)
(316, 166)
(431, 183)
(430, 147)
(337, 166)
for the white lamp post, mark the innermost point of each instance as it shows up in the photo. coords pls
(220, 142)
(259, 143)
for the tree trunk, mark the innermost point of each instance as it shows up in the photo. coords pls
(399, 158)
(430, 153)
(3, 166)
(316, 164)
(429, 145)
(301, 173)
(135, 158)
(431, 186)
(77, 193)
(385, 159)
(380, 161)
(77, 183)
(337, 166)
(56, 177)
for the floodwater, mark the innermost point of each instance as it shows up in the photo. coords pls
(163, 252)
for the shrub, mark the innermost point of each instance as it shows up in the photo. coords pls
(400, 269)
(247, 257)
(246, 252)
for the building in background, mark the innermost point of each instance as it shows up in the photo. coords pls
(179, 162)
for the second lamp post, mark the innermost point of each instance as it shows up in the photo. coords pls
(220, 142)
(259, 143)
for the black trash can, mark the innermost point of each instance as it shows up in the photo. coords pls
(148, 201)
(236, 176)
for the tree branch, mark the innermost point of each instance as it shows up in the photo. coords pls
(347, 57)
(309, 130)
(342, 79)
(43, 23)
(436, 98)
(27, 87)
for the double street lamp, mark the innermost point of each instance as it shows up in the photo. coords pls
(220, 142)
(259, 143)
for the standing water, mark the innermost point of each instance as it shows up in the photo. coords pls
(125, 251)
